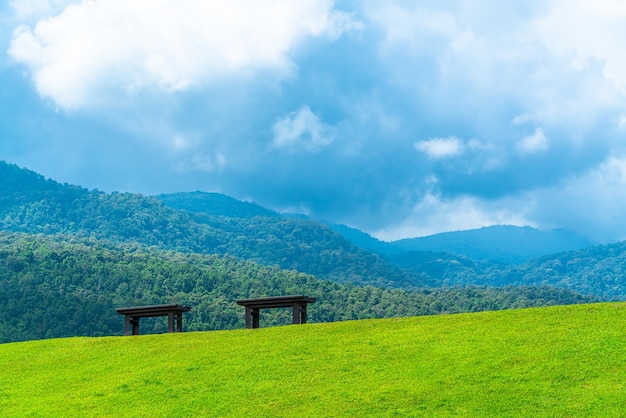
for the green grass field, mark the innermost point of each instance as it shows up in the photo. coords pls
(554, 362)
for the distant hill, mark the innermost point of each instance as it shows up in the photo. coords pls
(598, 270)
(357, 237)
(215, 204)
(446, 268)
(502, 256)
(364, 240)
(217, 224)
(30, 203)
(502, 244)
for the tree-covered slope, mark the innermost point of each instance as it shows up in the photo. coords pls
(599, 270)
(30, 203)
(552, 362)
(55, 286)
(501, 244)
(216, 204)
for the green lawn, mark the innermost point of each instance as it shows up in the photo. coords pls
(560, 361)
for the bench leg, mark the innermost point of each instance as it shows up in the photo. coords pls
(303, 314)
(248, 317)
(170, 322)
(296, 313)
(135, 325)
(255, 317)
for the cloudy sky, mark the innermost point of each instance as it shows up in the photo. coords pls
(401, 118)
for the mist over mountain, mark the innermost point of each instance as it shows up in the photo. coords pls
(505, 244)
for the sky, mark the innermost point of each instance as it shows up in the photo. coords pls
(400, 118)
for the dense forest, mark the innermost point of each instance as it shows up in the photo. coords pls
(593, 270)
(59, 285)
(599, 270)
(499, 243)
(69, 256)
(29, 203)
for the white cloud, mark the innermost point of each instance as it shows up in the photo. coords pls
(202, 162)
(440, 147)
(536, 142)
(302, 129)
(584, 33)
(591, 202)
(27, 10)
(559, 63)
(180, 143)
(95, 48)
(434, 214)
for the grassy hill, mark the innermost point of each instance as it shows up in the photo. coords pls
(557, 361)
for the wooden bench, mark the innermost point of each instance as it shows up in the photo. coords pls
(297, 302)
(173, 312)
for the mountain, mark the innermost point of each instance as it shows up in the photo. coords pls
(598, 270)
(215, 204)
(364, 240)
(502, 243)
(29, 203)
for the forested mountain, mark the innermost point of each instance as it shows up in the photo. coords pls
(494, 249)
(60, 285)
(30, 203)
(215, 204)
(598, 270)
(501, 244)
(216, 224)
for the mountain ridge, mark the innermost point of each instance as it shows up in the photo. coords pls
(508, 244)
(33, 204)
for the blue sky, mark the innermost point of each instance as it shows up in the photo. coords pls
(401, 118)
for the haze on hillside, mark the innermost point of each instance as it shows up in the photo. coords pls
(398, 118)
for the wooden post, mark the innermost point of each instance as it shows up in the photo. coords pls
(170, 322)
(126, 325)
(248, 317)
(135, 323)
(303, 314)
(179, 322)
(255, 317)
(296, 313)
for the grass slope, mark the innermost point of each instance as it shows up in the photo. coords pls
(558, 361)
